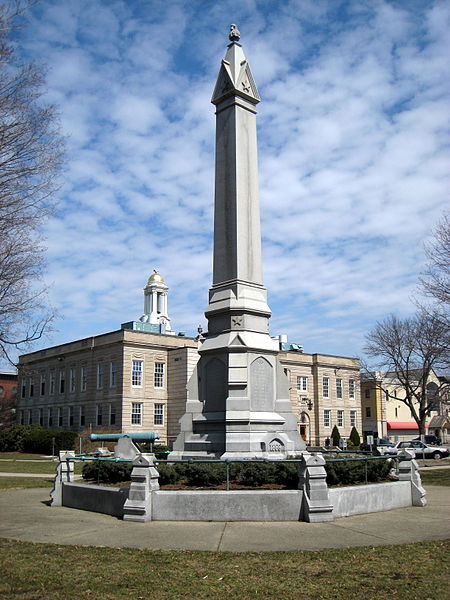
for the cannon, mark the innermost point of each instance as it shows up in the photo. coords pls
(125, 448)
(138, 436)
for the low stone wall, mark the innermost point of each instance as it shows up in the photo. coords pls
(313, 501)
(235, 505)
(96, 498)
(360, 499)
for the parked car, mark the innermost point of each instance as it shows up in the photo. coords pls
(379, 444)
(430, 439)
(420, 449)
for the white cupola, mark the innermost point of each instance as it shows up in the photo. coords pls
(155, 302)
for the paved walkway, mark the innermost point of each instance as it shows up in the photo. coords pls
(25, 515)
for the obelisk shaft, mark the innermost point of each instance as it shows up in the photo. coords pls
(237, 236)
(237, 267)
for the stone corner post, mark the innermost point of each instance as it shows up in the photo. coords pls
(64, 474)
(316, 506)
(408, 470)
(144, 481)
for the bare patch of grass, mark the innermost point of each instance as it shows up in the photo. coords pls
(51, 572)
(22, 483)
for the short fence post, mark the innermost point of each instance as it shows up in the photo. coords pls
(144, 481)
(316, 504)
(64, 471)
(408, 470)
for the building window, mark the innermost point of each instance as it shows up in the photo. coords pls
(99, 416)
(396, 412)
(326, 387)
(158, 417)
(52, 383)
(112, 414)
(31, 387)
(29, 417)
(41, 417)
(70, 419)
(353, 418)
(72, 380)
(99, 376)
(60, 417)
(84, 376)
(351, 388)
(159, 375)
(22, 418)
(50, 417)
(338, 388)
(113, 374)
(82, 417)
(327, 418)
(42, 385)
(302, 383)
(340, 418)
(136, 413)
(136, 373)
(366, 393)
(62, 381)
(24, 390)
(368, 411)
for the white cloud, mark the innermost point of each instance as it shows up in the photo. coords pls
(353, 147)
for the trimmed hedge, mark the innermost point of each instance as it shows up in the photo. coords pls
(348, 473)
(107, 471)
(250, 474)
(35, 440)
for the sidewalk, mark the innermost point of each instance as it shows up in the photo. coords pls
(25, 515)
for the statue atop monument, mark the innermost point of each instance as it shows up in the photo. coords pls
(238, 397)
(235, 34)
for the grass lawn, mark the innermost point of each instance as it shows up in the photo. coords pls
(22, 456)
(21, 483)
(51, 572)
(20, 465)
(438, 477)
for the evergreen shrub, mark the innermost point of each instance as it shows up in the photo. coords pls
(355, 437)
(335, 436)
(105, 471)
(34, 439)
(352, 472)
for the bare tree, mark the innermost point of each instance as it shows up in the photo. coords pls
(410, 350)
(435, 282)
(31, 150)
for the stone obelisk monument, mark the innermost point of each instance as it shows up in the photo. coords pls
(238, 398)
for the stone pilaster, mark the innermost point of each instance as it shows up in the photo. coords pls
(317, 505)
(144, 481)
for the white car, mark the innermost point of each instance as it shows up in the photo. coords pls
(420, 449)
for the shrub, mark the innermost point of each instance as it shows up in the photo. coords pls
(355, 437)
(335, 436)
(160, 451)
(105, 471)
(35, 439)
(352, 472)
(205, 475)
(170, 473)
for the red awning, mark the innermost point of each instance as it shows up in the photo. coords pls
(403, 425)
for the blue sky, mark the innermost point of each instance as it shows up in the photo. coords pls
(353, 156)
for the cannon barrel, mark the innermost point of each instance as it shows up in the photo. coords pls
(139, 436)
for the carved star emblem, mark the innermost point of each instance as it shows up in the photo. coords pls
(236, 321)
